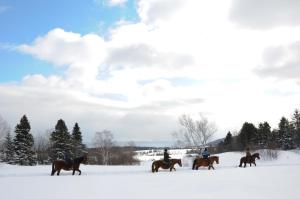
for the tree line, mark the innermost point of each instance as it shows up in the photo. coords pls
(22, 150)
(25, 149)
(286, 136)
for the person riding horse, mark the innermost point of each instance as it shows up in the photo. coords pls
(167, 157)
(67, 159)
(248, 155)
(205, 155)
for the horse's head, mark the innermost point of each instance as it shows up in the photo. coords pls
(85, 159)
(256, 155)
(179, 162)
(217, 159)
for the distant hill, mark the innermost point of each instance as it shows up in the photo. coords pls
(215, 142)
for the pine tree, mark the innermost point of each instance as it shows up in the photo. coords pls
(228, 141)
(248, 135)
(23, 144)
(296, 125)
(61, 142)
(263, 134)
(78, 147)
(8, 149)
(285, 134)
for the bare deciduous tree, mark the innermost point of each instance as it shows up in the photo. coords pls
(42, 147)
(4, 130)
(103, 141)
(194, 133)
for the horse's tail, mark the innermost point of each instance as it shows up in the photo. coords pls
(241, 162)
(194, 164)
(153, 167)
(53, 170)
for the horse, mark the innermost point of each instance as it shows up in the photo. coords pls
(198, 162)
(58, 165)
(250, 160)
(160, 163)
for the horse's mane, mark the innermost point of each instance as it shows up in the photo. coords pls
(255, 154)
(79, 159)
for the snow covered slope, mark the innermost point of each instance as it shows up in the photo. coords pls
(270, 179)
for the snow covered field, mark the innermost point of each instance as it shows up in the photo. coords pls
(270, 179)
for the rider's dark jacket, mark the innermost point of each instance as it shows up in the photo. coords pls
(166, 156)
(205, 154)
(248, 155)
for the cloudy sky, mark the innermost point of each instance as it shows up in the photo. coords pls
(134, 66)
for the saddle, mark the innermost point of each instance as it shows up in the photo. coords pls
(207, 160)
(167, 163)
(69, 164)
(248, 158)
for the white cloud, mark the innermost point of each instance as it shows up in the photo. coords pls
(127, 83)
(265, 14)
(116, 2)
(155, 11)
(281, 62)
(82, 55)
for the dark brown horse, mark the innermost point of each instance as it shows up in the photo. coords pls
(160, 163)
(58, 165)
(198, 162)
(250, 160)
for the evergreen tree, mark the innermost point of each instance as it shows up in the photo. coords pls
(285, 134)
(78, 147)
(61, 142)
(263, 134)
(8, 149)
(248, 135)
(296, 125)
(228, 141)
(23, 144)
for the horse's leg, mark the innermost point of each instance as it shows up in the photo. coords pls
(53, 172)
(245, 164)
(241, 163)
(58, 172)
(79, 171)
(73, 171)
(172, 167)
(194, 163)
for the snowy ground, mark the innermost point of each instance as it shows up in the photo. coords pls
(270, 179)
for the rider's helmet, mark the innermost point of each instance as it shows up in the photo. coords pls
(166, 149)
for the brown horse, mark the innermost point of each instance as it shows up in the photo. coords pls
(250, 160)
(160, 163)
(58, 165)
(198, 162)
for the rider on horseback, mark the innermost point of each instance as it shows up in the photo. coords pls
(248, 155)
(167, 157)
(206, 154)
(67, 158)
